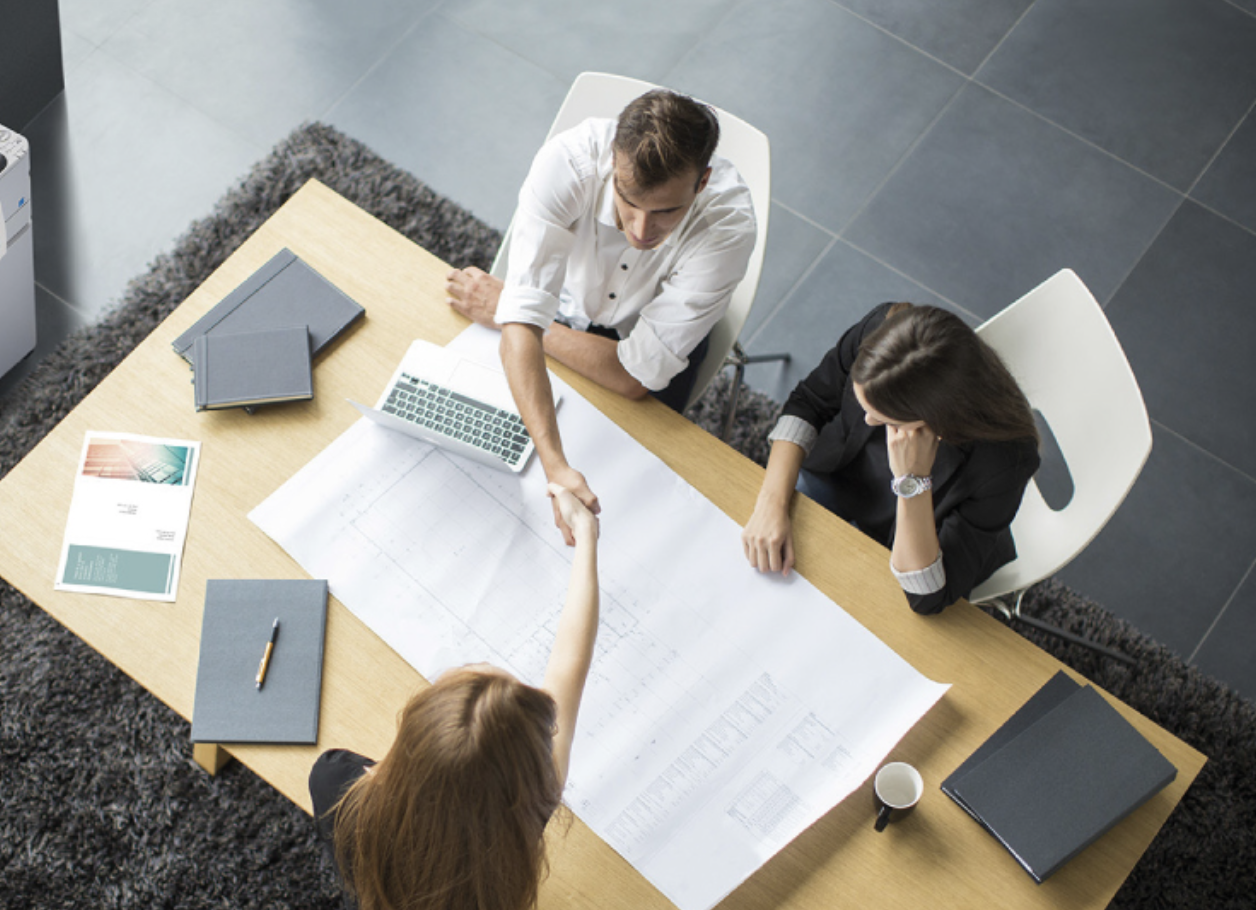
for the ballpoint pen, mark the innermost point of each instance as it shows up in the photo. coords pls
(270, 646)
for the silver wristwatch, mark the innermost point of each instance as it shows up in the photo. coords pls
(910, 485)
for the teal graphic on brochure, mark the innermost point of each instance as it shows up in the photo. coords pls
(127, 570)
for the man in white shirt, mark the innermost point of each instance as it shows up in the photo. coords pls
(628, 241)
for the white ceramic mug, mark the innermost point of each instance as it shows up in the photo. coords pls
(898, 787)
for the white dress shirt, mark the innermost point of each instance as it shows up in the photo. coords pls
(568, 257)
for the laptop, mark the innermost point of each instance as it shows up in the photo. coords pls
(465, 407)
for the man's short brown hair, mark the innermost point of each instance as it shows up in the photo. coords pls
(663, 135)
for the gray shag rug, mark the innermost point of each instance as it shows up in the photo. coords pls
(101, 805)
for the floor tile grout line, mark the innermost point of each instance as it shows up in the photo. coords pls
(135, 14)
(1193, 444)
(1223, 216)
(994, 50)
(803, 276)
(900, 39)
(1185, 196)
(1088, 142)
(1221, 613)
(804, 273)
(1239, 8)
(733, 8)
(885, 265)
(947, 300)
(973, 80)
(799, 215)
(66, 29)
(902, 159)
(258, 150)
(1136, 261)
(1221, 148)
(379, 61)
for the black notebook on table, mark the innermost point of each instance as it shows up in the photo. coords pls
(1063, 770)
(282, 293)
(235, 628)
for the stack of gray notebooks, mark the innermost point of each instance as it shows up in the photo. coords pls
(257, 345)
(1062, 771)
(230, 705)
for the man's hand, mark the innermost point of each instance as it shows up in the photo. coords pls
(474, 293)
(579, 519)
(768, 538)
(573, 482)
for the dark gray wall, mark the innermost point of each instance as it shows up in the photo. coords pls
(30, 59)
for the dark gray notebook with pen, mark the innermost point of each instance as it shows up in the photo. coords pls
(1062, 771)
(284, 292)
(236, 627)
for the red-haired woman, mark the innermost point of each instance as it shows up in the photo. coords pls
(453, 817)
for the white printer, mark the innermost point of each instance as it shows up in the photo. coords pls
(17, 252)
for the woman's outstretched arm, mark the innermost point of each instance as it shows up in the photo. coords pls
(572, 654)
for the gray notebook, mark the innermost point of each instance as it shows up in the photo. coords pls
(283, 292)
(235, 628)
(245, 369)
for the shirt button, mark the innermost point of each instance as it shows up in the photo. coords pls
(612, 296)
(624, 266)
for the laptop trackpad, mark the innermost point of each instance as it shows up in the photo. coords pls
(485, 383)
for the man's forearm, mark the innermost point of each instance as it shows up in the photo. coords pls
(593, 357)
(523, 358)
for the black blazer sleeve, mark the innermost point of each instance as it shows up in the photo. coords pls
(974, 516)
(333, 773)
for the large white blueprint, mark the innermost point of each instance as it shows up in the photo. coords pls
(725, 712)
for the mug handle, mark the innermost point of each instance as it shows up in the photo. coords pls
(883, 818)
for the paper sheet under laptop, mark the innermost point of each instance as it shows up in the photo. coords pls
(725, 711)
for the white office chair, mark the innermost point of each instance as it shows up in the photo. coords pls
(605, 95)
(1066, 358)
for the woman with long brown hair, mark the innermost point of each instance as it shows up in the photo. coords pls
(912, 429)
(454, 816)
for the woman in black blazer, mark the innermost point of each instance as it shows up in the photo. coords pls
(912, 429)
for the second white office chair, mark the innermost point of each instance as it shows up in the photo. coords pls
(605, 95)
(1066, 358)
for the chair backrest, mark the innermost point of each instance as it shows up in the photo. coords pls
(1066, 358)
(605, 95)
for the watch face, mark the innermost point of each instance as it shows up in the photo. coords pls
(909, 485)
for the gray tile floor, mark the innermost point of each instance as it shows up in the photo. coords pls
(948, 151)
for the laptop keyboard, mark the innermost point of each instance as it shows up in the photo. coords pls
(455, 415)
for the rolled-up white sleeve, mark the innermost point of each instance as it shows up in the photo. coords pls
(560, 186)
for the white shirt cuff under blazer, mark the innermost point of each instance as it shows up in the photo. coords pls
(795, 430)
(922, 581)
(568, 256)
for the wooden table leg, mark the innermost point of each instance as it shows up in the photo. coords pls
(210, 756)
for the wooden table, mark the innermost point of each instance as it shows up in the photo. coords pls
(936, 857)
